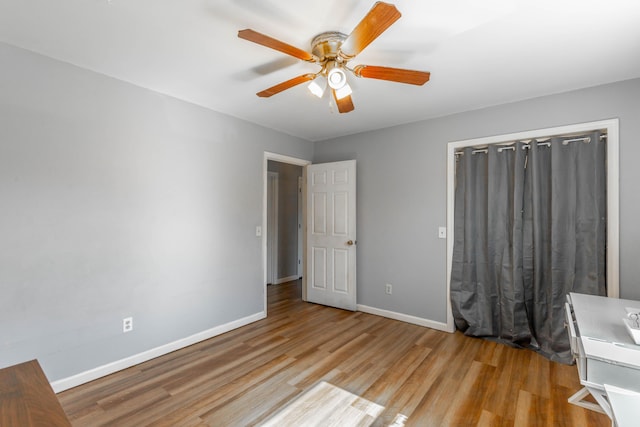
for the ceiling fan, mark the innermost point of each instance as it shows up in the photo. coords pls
(332, 50)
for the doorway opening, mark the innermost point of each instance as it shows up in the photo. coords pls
(283, 219)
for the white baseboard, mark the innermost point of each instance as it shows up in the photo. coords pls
(118, 365)
(405, 318)
(286, 279)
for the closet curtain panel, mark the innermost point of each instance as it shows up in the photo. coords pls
(529, 227)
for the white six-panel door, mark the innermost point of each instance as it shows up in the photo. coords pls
(331, 234)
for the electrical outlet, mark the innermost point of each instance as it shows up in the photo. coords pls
(388, 289)
(127, 324)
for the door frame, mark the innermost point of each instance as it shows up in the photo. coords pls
(265, 173)
(613, 199)
(271, 231)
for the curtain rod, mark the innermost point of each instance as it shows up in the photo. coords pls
(543, 141)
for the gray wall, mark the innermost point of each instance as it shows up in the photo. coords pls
(402, 190)
(118, 201)
(287, 217)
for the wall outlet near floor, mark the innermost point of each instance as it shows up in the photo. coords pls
(127, 324)
(388, 289)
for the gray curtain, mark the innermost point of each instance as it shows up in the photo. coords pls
(530, 226)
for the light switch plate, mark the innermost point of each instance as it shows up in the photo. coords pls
(442, 232)
(258, 231)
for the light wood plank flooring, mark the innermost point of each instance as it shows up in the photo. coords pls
(423, 376)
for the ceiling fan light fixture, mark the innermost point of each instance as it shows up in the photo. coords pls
(336, 76)
(318, 85)
(332, 50)
(344, 91)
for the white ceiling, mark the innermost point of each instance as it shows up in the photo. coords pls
(479, 53)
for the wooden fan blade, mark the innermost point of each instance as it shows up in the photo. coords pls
(286, 85)
(264, 40)
(399, 75)
(344, 104)
(379, 18)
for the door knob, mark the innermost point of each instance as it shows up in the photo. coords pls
(350, 243)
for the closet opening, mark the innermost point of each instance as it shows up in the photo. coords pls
(531, 216)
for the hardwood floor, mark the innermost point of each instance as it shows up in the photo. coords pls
(243, 377)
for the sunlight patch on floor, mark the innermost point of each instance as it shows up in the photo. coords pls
(327, 405)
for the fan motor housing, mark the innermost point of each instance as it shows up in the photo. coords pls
(326, 45)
